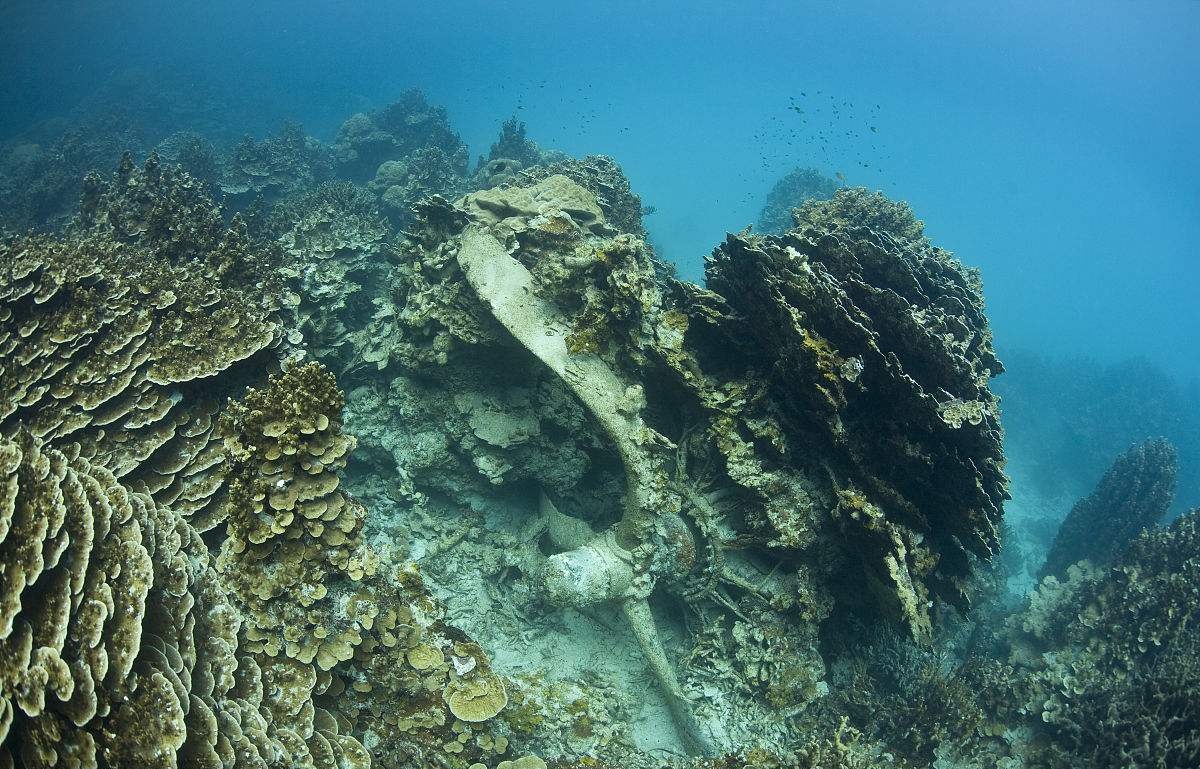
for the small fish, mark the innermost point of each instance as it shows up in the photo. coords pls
(841, 177)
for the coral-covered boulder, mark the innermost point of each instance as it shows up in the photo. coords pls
(869, 358)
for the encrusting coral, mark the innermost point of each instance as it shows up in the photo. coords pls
(852, 207)
(1135, 493)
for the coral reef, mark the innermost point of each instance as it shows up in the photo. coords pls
(150, 295)
(912, 698)
(121, 646)
(1109, 655)
(424, 172)
(737, 421)
(887, 357)
(425, 469)
(185, 584)
(859, 207)
(335, 255)
(1133, 495)
(602, 177)
(288, 163)
(512, 152)
(194, 154)
(40, 181)
(366, 141)
(790, 192)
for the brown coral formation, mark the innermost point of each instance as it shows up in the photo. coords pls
(104, 331)
(335, 256)
(125, 639)
(1134, 494)
(293, 550)
(872, 357)
(1108, 655)
(119, 646)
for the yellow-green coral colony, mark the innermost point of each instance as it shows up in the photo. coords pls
(357, 480)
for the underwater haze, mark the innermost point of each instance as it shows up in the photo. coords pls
(599, 385)
(1050, 144)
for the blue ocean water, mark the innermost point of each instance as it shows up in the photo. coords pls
(1051, 144)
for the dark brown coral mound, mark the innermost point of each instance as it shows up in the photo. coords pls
(1134, 494)
(875, 356)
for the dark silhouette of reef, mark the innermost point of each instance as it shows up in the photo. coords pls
(1133, 495)
(789, 193)
(1067, 418)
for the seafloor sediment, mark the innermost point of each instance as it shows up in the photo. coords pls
(355, 455)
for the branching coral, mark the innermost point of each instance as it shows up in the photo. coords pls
(511, 153)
